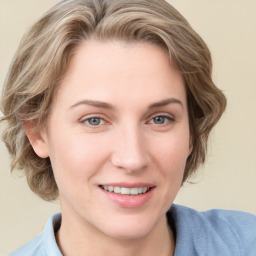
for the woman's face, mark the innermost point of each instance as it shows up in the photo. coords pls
(118, 138)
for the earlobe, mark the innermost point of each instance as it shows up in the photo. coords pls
(36, 138)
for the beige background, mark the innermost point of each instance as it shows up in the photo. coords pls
(228, 178)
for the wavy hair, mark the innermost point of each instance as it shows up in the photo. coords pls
(46, 49)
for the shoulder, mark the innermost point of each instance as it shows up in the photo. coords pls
(233, 231)
(241, 223)
(33, 248)
(44, 244)
(238, 219)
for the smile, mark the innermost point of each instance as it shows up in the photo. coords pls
(126, 191)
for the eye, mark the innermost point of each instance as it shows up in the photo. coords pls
(93, 121)
(161, 120)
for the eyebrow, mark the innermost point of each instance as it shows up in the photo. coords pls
(165, 102)
(100, 104)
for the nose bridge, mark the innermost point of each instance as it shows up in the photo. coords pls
(130, 151)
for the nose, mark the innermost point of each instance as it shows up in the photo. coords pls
(130, 151)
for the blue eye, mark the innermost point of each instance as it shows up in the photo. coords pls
(94, 121)
(161, 120)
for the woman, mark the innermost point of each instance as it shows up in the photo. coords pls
(108, 106)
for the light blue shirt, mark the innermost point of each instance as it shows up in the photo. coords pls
(209, 233)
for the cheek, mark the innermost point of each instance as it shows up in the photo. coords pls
(75, 157)
(170, 157)
(173, 151)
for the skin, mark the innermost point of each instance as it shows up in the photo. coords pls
(141, 135)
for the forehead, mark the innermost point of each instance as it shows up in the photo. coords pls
(116, 70)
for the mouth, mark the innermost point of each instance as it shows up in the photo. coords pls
(126, 191)
(128, 195)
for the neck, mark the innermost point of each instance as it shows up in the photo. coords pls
(76, 238)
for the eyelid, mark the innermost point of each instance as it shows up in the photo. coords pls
(169, 116)
(88, 117)
(101, 121)
(168, 122)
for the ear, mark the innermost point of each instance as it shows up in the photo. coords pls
(191, 140)
(37, 138)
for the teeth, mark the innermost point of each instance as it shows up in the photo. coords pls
(126, 191)
(134, 191)
(117, 190)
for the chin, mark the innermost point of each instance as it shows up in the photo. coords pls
(128, 234)
(130, 229)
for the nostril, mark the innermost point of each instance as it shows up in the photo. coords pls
(129, 152)
(129, 163)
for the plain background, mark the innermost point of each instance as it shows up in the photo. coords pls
(227, 180)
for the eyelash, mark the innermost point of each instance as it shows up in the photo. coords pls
(87, 121)
(101, 121)
(167, 119)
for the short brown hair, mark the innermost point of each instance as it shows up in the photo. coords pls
(46, 49)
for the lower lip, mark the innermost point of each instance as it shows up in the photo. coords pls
(129, 201)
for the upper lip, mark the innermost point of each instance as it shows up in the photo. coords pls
(128, 185)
